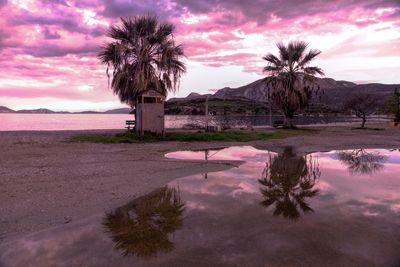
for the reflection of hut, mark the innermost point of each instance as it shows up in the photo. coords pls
(150, 112)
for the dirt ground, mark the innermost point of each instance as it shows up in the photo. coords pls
(46, 181)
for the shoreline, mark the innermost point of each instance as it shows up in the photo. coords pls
(46, 181)
(173, 122)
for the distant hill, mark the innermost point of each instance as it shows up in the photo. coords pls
(111, 111)
(87, 112)
(190, 96)
(40, 110)
(254, 91)
(333, 93)
(335, 97)
(4, 109)
(118, 111)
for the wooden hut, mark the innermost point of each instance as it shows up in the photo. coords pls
(150, 112)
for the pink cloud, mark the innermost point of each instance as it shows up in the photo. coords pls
(246, 60)
(29, 93)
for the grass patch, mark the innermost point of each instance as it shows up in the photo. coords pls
(237, 136)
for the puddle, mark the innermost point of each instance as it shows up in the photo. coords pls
(339, 208)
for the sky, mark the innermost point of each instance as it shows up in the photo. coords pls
(48, 48)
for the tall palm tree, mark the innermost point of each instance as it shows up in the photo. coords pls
(143, 56)
(291, 78)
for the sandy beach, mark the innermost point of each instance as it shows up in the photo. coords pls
(47, 181)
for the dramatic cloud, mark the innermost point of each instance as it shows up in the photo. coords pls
(48, 47)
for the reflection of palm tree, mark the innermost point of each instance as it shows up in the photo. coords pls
(142, 226)
(361, 161)
(287, 181)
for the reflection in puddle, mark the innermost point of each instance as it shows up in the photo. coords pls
(361, 161)
(324, 216)
(200, 154)
(287, 181)
(142, 227)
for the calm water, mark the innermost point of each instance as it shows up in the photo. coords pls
(339, 208)
(39, 122)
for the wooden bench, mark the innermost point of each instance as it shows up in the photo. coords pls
(276, 124)
(130, 124)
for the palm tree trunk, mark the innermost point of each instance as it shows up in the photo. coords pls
(269, 106)
(288, 123)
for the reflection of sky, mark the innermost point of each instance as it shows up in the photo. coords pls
(231, 153)
(392, 156)
(335, 184)
(237, 180)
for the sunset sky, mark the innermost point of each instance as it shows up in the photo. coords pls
(48, 48)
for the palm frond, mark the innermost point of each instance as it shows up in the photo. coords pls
(283, 52)
(312, 54)
(273, 61)
(296, 50)
(313, 71)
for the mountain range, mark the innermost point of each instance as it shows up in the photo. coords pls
(251, 96)
(332, 92)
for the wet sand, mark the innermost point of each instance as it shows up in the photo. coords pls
(46, 181)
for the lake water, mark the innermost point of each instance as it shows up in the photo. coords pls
(338, 208)
(40, 122)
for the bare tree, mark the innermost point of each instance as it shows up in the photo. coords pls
(361, 161)
(362, 105)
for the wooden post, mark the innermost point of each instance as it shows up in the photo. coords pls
(141, 116)
(206, 112)
(397, 94)
(206, 153)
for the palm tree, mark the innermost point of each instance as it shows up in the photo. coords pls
(143, 56)
(287, 181)
(291, 78)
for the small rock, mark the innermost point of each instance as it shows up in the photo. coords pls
(67, 219)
